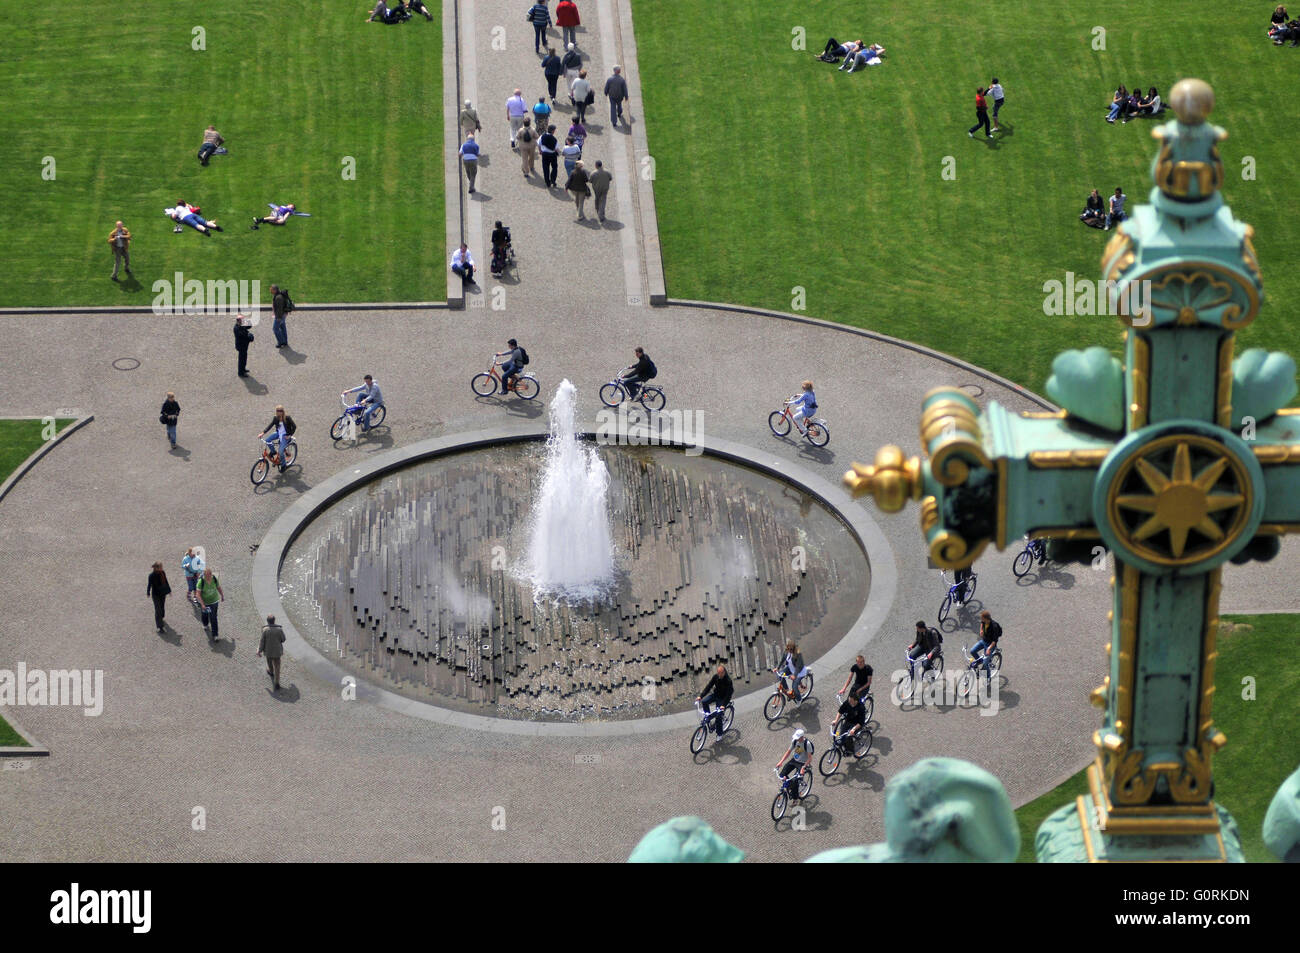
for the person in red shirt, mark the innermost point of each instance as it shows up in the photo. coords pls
(566, 18)
(981, 115)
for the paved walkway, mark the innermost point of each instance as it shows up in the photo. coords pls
(305, 775)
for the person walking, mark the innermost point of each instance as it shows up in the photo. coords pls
(552, 69)
(192, 566)
(158, 589)
(119, 239)
(210, 599)
(567, 19)
(539, 15)
(572, 62)
(243, 338)
(572, 152)
(581, 95)
(578, 188)
(469, 122)
(272, 647)
(541, 113)
(279, 308)
(600, 180)
(469, 158)
(168, 416)
(549, 146)
(616, 91)
(999, 97)
(527, 147)
(516, 110)
(981, 115)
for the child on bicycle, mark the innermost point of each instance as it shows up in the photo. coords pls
(797, 756)
(371, 398)
(990, 632)
(803, 405)
(716, 692)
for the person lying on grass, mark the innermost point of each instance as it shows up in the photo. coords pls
(867, 56)
(279, 215)
(384, 14)
(835, 49)
(185, 214)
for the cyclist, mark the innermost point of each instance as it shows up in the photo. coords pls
(634, 375)
(803, 405)
(799, 754)
(512, 366)
(990, 632)
(792, 667)
(280, 429)
(853, 718)
(959, 578)
(926, 644)
(716, 692)
(860, 675)
(371, 398)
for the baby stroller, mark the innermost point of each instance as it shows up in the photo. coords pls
(503, 251)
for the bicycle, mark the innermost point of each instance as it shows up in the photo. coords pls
(816, 432)
(975, 669)
(355, 413)
(929, 673)
(868, 702)
(774, 707)
(794, 787)
(830, 761)
(723, 716)
(486, 384)
(1035, 549)
(954, 590)
(650, 396)
(269, 458)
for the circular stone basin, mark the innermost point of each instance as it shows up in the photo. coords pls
(414, 582)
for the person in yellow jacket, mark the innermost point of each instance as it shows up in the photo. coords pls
(119, 239)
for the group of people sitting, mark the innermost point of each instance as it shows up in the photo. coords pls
(1125, 105)
(855, 53)
(1096, 214)
(383, 13)
(1282, 27)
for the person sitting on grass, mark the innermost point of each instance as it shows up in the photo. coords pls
(1133, 104)
(1117, 103)
(1277, 25)
(1116, 213)
(1151, 104)
(416, 6)
(1094, 212)
(185, 214)
(279, 215)
(866, 56)
(835, 49)
(384, 14)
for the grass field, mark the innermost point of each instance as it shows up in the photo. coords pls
(1263, 733)
(773, 170)
(117, 97)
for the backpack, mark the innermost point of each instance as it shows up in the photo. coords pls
(526, 134)
(936, 635)
(288, 302)
(995, 632)
(523, 356)
(654, 372)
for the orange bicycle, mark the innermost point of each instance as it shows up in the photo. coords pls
(489, 382)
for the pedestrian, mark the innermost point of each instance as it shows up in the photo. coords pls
(572, 62)
(572, 152)
(158, 589)
(516, 110)
(581, 95)
(539, 15)
(600, 180)
(527, 147)
(192, 566)
(469, 119)
(541, 113)
(552, 69)
(119, 239)
(567, 19)
(212, 141)
(273, 648)
(469, 159)
(462, 263)
(577, 186)
(243, 338)
(981, 115)
(168, 416)
(578, 133)
(616, 90)
(210, 599)
(999, 97)
(549, 146)
(279, 307)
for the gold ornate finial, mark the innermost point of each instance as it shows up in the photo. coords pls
(1192, 101)
(891, 480)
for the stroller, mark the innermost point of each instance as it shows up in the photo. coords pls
(503, 251)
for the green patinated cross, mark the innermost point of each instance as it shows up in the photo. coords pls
(1173, 461)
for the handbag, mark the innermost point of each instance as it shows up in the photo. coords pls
(162, 419)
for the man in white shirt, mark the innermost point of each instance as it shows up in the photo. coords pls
(462, 263)
(516, 110)
(1116, 213)
(998, 94)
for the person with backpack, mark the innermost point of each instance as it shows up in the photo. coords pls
(990, 632)
(528, 147)
(926, 644)
(637, 374)
(280, 306)
(516, 360)
(210, 599)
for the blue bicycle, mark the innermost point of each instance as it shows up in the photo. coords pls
(976, 669)
(794, 786)
(955, 596)
(1035, 552)
(716, 719)
(356, 414)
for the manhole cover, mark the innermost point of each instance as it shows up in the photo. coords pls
(126, 363)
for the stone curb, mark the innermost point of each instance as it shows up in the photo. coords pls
(328, 306)
(41, 451)
(36, 749)
(452, 192)
(275, 544)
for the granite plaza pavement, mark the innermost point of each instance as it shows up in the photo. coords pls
(304, 774)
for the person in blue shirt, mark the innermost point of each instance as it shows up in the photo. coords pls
(371, 397)
(541, 113)
(539, 15)
(803, 405)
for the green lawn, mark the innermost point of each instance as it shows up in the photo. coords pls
(115, 94)
(773, 170)
(1263, 734)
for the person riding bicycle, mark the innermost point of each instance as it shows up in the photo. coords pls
(926, 645)
(797, 756)
(803, 405)
(716, 692)
(860, 675)
(990, 632)
(959, 578)
(851, 720)
(512, 366)
(280, 429)
(792, 667)
(371, 398)
(634, 375)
